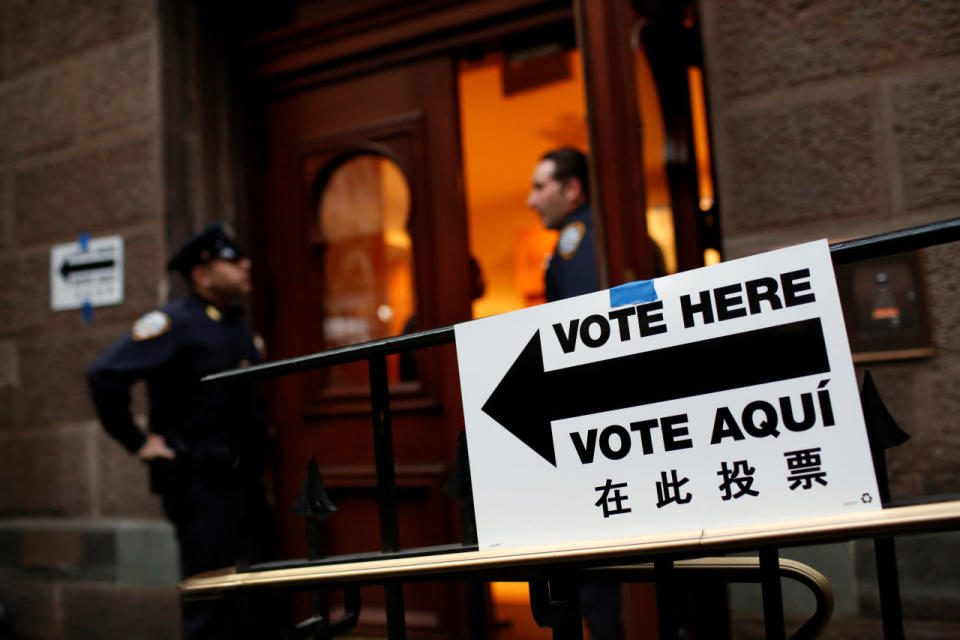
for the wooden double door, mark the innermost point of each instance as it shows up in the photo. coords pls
(359, 231)
(363, 235)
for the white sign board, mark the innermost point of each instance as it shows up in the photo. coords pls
(88, 272)
(717, 397)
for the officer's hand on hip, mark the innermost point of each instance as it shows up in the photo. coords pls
(155, 448)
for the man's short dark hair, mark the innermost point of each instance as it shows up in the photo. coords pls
(569, 163)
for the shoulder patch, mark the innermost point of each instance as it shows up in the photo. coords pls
(151, 325)
(570, 237)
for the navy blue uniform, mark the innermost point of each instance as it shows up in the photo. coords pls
(212, 491)
(573, 267)
(177, 346)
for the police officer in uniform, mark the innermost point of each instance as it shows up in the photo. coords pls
(560, 194)
(206, 442)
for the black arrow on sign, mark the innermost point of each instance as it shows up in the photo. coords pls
(528, 398)
(66, 268)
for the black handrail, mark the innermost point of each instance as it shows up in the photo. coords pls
(885, 244)
(351, 353)
(375, 353)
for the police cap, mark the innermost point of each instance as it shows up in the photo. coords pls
(216, 241)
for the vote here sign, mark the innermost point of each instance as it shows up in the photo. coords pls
(717, 397)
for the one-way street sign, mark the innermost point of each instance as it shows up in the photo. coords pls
(722, 396)
(88, 272)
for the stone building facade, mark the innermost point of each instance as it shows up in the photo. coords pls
(836, 118)
(84, 551)
(841, 119)
(84, 149)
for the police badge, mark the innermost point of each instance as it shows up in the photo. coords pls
(151, 325)
(570, 238)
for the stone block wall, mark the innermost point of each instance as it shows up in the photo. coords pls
(84, 551)
(836, 116)
(840, 119)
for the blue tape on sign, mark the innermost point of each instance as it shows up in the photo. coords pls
(87, 311)
(633, 293)
(84, 241)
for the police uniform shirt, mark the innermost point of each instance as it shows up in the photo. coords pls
(172, 349)
(573, 270)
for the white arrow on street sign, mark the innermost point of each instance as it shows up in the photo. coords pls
(722, 396)
(86, 273)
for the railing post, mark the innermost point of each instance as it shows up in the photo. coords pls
(665, 577)
(888, 581)
(884, 433)
(386, 487)
(773, 624)
(555, 603)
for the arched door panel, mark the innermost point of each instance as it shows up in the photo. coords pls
(366, 237)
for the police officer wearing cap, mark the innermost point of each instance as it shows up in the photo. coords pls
(560, 193)
(206, 442)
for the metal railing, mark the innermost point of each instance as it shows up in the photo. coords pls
(551, 589)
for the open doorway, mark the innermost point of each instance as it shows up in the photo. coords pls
(513, 108)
